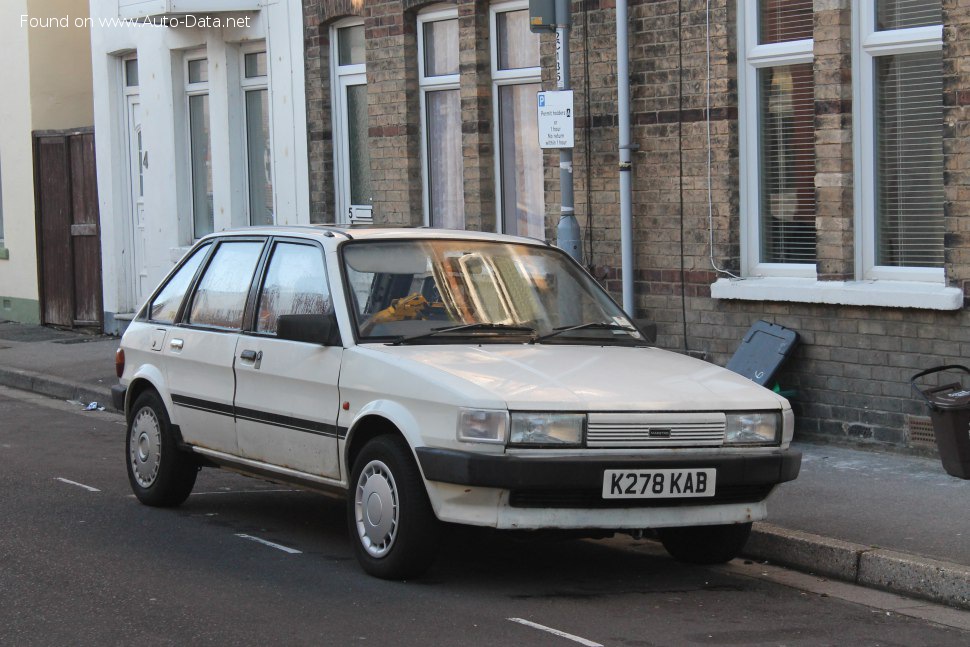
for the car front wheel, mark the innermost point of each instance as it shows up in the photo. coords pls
(160, 474)
(705, 544)
(392, 525)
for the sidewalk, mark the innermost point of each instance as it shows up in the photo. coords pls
(882, 520)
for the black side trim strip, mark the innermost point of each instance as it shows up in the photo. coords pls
(276, 420)
(203, 405)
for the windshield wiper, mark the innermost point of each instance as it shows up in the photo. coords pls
(595, 325)
(469, 327)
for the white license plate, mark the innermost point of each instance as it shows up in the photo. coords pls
(658, 484)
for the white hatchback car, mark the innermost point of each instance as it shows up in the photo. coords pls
(440, 376)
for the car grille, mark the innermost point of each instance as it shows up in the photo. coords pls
(592, 499)
(630, 430)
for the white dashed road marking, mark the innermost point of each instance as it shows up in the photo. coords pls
(556, 632)
(86, 487)
(285, 549)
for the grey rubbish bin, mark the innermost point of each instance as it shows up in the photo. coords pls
(950, 412)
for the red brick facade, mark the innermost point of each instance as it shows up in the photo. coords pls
(851, 372)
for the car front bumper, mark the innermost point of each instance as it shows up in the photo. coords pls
(518, 472)
(565, 492)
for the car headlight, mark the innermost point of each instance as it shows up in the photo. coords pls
(760, 428)
(545, 429)
(482, 425)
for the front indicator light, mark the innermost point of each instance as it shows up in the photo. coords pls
(482, 426)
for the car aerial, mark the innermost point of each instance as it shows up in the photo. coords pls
(433, 377)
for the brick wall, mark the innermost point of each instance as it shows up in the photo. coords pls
(851, 372)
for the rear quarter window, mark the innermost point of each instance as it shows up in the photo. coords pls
(165, 306)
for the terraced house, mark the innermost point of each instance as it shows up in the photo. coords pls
(798, 161)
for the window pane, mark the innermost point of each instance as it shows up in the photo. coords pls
(787, 124)
(445, 183)
(260, 158)
(166, 305)
(199, 70)
(131, 72)
(255, 65)
(521, 161)
(296, 284)
(517, 46)
(909, 160)
(201, 164)
(441, 47)
(360, 176)
(351, 48)
(220, 298)
(784, 20)
(901, 14)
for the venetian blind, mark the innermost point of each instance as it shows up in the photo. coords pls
(909, 160)
(787, 131)
(784, 20)
(903, 14)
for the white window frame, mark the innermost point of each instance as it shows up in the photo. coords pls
(194, 90)
(431, 84)
(503, 78)
(754, 58)
(916, 288)
(342, 76)
(248, 85)
(868, 44)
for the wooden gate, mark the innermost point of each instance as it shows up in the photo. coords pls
(68, 230)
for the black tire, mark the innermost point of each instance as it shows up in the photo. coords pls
(705, 544)
(160, 474)
(392, 525)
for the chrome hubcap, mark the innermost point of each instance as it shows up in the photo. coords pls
(145, 447)
(376, 508)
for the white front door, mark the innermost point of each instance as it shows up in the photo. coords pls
(137, 163)
(354, 188)
(286, 401)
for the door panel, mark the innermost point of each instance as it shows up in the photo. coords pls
(199, 371)
(286, 391)
(286, 404)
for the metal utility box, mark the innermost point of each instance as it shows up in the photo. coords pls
(764, 349)
(542, 15)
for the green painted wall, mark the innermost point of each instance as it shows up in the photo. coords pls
(21, 310)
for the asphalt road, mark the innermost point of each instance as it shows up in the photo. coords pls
(83, 563)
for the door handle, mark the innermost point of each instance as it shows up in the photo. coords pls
(176, 344)
(255, 356)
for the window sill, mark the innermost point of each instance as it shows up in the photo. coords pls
(4, 253)
(882, 294)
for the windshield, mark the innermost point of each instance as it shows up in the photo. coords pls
(436, 291)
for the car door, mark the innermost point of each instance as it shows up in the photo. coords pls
(286, 391)
(199, 352)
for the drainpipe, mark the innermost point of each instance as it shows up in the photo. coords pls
(626, 168)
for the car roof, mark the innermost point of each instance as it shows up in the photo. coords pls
(376, 233)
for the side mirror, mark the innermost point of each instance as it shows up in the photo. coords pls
(312, 329)
(648, 329)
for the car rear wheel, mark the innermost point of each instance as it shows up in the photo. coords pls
(160, 474)
(705, 544)
(392, 525)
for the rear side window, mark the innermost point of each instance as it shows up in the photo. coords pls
(220, 299)
(296, 284)
(165, 307)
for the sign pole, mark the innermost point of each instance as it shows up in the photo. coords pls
(567, 232)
